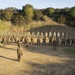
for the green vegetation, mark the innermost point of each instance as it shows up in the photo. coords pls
(4, 25)
(28, 14)
(72, 12)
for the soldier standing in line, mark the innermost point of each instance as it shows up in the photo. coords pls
(32, 40)
(21, 39)
(4, 41)
(18, 43)
(63, 42)
(57, 39)
(8, 40)
(38, 41)
(44, 41)
(26, 41)
(68, 42)
(54, 44)
(50, 41)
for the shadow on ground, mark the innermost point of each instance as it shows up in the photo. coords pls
(8, 58)
(65, 68)
(48, 50)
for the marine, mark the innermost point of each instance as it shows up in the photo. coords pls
(19, 53)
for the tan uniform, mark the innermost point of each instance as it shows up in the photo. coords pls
(31, 40)
(19, 53)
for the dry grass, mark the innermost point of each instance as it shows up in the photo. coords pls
(47, 26)
(33, 24)
(36, 24)
(4, 25)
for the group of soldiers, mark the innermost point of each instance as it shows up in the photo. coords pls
(51, 41)
(13, 39)
(68, 42)
(45, 40)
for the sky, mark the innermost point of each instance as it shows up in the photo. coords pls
(38, 4)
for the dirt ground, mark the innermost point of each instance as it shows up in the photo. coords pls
(36, 60)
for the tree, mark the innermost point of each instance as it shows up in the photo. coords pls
(18, 19)
(28, 10)
(49, 12)
(57, 11)
(71, 17)
(37, 15)
(1, 13)
(7, 14)
(67, 9)
(72, 12)
(62, 19)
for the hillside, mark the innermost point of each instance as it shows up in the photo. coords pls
(35, 26)
(4, 25)
(7, 26)
(28, 13)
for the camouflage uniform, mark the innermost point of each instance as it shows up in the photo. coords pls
(54, 44)
(4, 41)
(8, 40)
(73, 42)
(63, 42)
(50, 41)
(22, 39)
(31, 40)
(18, 43)
(57, 39)
(68, 42)
(12, 39)
(38, 41)
(26, 41)
(44, 41)
(19, 53)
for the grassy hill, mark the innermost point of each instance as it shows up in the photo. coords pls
(4, 25)
(35, 26)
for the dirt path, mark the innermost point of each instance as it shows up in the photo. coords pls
(36, 60)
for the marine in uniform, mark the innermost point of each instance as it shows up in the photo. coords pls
(68, 42)
(54, 44)
(26, 41)
(50, 41)
(63, 42)
(38, 41)
(31, 40)
(44, 41)
(19, 53)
